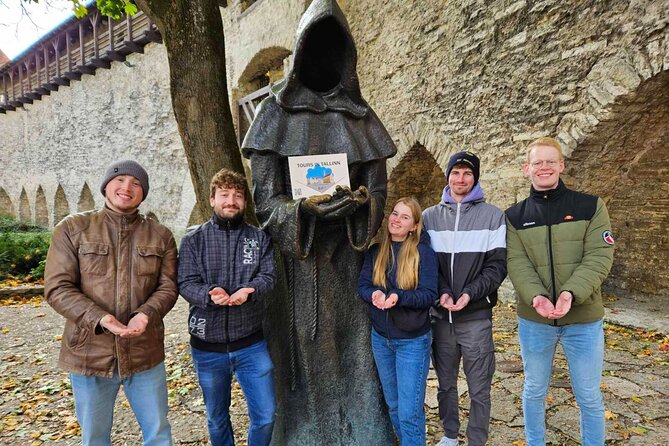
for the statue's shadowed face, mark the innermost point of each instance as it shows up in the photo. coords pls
(324, 56)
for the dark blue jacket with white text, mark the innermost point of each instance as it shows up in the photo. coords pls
(230, 255)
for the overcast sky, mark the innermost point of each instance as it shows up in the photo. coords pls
(18, 32)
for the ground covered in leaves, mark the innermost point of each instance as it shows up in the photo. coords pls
(36, 399)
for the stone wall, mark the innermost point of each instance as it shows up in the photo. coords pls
(54, 152)
(488, 76)
(492, 76)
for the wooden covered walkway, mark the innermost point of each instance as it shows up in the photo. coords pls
(76, 47)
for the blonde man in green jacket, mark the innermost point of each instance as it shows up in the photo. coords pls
(559, 251)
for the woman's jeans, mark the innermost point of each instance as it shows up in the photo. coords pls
(403, 365)
(583, 345)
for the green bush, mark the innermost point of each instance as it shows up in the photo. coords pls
(22, 249)
(11, 224)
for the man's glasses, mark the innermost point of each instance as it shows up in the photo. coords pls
(549, 163)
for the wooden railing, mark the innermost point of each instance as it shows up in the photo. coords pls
(76, 47)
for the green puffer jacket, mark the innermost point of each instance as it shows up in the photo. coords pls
(559, 240)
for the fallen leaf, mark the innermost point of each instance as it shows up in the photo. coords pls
(639, 430)
(610, 415)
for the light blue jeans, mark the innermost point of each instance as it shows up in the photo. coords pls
(253, 367)
(403, 365)
(94, 399)
(583, 345)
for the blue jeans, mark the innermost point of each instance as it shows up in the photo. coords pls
(403, 365)
(253, 367)
(94, 399)
(583, 345)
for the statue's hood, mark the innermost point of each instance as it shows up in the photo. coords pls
(323, 75)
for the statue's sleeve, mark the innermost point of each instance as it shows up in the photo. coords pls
(277, 212)
(365, 221)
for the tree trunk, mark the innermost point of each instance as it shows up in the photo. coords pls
(192, 32)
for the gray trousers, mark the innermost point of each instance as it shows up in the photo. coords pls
(471, 341)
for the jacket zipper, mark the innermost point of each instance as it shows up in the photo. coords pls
(455, 232)
(118, 287)
(227, 307)
(550, 253)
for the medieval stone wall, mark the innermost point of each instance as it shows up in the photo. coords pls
(492, 76)
(54, 152)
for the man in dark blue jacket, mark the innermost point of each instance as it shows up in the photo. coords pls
(226, 271)
(469, 237)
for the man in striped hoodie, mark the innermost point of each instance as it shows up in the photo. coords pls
(468, 236)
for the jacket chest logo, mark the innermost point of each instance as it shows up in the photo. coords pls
(250, 251)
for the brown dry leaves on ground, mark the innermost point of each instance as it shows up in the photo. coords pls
(36, 405)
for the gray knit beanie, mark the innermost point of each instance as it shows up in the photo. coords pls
(126, 167)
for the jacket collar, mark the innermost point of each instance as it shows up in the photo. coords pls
(551, 194)
(120, 219)
(227, 224)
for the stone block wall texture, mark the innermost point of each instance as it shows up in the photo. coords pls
(488, 76)
(61, 145)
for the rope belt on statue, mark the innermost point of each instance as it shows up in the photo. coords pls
(291, 317)
(314, 307)
(291, 324)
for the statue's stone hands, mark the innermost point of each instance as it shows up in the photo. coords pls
(361, 196)
(312, 205)
(328, 207)
(342, 191)
(342, 203)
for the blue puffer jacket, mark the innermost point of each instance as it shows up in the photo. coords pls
(412, 304)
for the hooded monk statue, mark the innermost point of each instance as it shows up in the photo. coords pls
(319, 334)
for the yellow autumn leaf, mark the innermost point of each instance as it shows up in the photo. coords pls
(639, 430)
(57, 337)
(519, 443)
(610, 415)
(5, 330)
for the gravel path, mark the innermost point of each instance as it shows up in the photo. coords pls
(36, 403)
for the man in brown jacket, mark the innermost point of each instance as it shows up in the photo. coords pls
(112, 274)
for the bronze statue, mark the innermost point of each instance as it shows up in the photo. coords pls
(318, 331)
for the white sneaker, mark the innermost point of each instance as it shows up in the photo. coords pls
(445, 441)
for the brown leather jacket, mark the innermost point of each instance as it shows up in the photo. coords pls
(103, 262)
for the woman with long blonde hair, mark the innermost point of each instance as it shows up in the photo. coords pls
(399, 283)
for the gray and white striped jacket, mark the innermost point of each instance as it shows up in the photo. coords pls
(470, 241)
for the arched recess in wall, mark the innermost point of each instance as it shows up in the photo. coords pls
(625, 160)
(41, 209)
(265, 67)
(246, 4)
(61, 207)
(6, 205)
(86, 201)
(24, 206)
(417, 175)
